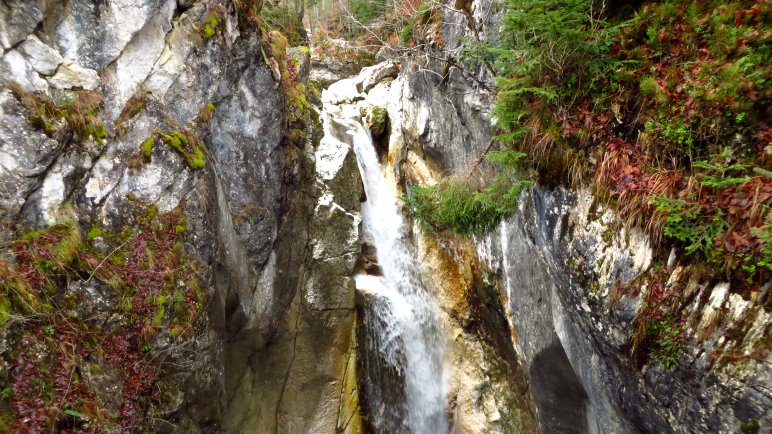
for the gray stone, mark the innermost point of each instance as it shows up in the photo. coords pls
(555, 314)
(298, 382)
(43, 58)
(245, 215)
(15, 68)
(142, 53)
(73, 76)
(25, 154)
(337, 59)
(301, 59)
(18, 18)
(93, 34)
(375, 74)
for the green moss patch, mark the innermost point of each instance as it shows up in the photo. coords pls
(146, 148)
(462, 205)
(187, 144)
(213, 23)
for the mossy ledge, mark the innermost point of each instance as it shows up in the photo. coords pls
(187, 144)
(78, 109)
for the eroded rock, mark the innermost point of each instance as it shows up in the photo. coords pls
(43, 58)
(70, 75)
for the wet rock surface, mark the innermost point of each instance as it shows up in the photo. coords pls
(569, 325)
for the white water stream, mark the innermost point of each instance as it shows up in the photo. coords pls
(409, 333)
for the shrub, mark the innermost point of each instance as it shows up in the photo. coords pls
(668, 342)
(641, 104)
(725, 217)
(751, 427)
(366, 11)
(551, 52)
(462, 205)
(286, 19)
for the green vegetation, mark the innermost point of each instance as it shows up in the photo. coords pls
(206, 113)
(286, 18)
(661, 110)
(133, 106)
(94, 233)
(751, 427)
(50, 341)
(78, 109)
(406, 32)
(463, 205)
(420, 22)
(659, 335)
(295, 93)
(146, 148)
(668, 342)
(213, 23)
(377, 119)
(715, 208)
(186, 144)
(365, 11)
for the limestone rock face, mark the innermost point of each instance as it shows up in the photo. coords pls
(487, 387)
(44, 59)
(73, 76)
(305, 378)
(574, 328)
(556, 268)
(147, 73)
(18, 18)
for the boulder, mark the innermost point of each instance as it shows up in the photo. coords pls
(73, 76)
(43, 58)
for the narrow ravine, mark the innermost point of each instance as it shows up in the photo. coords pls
(403, 318)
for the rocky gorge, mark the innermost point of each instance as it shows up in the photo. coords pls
(202, 231)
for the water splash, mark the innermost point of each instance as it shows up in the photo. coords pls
(413, 314)
(409, 333)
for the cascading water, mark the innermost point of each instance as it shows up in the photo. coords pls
(406, 321)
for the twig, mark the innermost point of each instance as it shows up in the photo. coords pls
(103, 261)
(479, 161)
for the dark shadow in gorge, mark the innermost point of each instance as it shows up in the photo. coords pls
(559, 395)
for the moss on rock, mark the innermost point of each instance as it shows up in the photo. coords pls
(377, 120)
(187, 145)
(146, 148)
(77, 109)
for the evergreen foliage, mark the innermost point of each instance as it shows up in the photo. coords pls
(664, 109)
(366, 11)
(463, 206)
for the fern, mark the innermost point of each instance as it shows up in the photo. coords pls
(765, 235)
(717, 175)
(684, 222)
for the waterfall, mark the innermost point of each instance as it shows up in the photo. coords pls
(406, 325)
